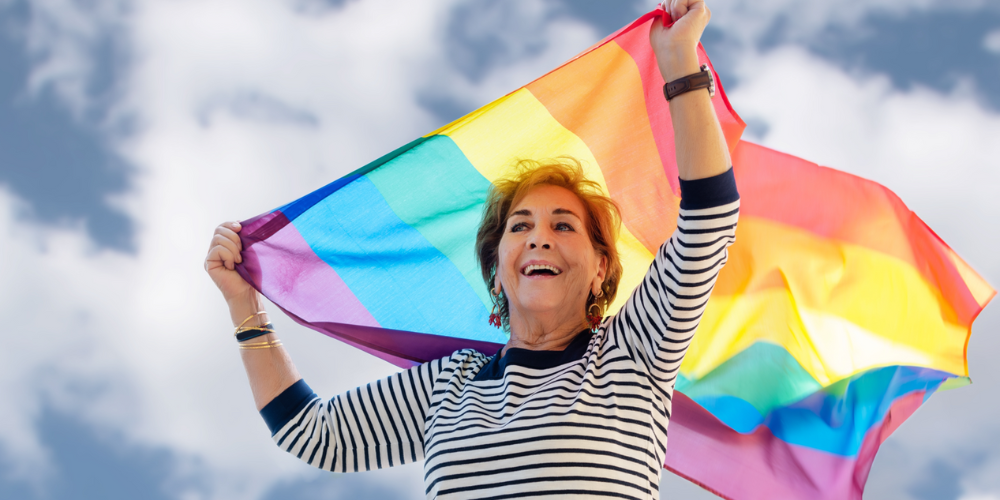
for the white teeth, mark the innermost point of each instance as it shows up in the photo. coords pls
(534, 267)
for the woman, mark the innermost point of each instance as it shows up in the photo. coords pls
(569, 406)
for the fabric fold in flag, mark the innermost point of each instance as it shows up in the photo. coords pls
(839, 313)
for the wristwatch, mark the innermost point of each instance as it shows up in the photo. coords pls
(700, 80)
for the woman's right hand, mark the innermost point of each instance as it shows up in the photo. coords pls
(676, 47)
(270, 370)
(223, 255)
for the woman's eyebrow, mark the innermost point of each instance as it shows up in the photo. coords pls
(564, 211)
(558, 211)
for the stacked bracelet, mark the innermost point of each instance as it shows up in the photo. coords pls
(251, 332)
(244, 334)
(250, 317)
(261, 345)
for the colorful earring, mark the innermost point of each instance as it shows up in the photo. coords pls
(594, 319)
(495, 314)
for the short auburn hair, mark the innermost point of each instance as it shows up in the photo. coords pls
(603, 221)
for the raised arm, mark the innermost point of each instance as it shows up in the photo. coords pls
(269, 369)
(375, 426)
(700, 146)
(658, 322)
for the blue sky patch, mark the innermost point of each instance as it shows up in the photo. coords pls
(935, 49)
(60, 165)
(89, 464)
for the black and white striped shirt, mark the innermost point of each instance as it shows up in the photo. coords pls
(589, 421)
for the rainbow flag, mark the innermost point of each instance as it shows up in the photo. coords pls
(839, 312)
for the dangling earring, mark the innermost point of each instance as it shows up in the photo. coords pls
(495, 314)
(594, 319)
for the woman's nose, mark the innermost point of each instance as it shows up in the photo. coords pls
(540, 238)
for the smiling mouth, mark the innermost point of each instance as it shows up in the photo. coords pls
(540, 270)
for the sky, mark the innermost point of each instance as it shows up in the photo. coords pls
(130, 128)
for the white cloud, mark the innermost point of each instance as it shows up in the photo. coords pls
(991, 41)
(62, 37)
(752, 21)
(982, 482)
(236, 107)
(33, 360)
(527, 43)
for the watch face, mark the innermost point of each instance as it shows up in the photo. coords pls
(711, 80)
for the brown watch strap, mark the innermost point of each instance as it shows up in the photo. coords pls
(700, 80)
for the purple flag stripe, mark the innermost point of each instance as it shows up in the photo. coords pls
(299, 280)
(401, 348)
(776, 469)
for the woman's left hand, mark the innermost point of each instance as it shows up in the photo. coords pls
(676, 47)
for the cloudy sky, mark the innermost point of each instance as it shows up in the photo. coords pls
(129, 128)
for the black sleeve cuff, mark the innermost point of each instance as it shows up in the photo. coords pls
(709, 192)
(289, 403)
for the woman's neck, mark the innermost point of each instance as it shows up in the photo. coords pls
(536, 335)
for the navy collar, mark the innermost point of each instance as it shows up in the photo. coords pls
(537, 360)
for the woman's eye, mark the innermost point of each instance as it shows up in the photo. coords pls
(564, 226)
(520, 226)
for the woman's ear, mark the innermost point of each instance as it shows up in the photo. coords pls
(602, 271)
(496, 284)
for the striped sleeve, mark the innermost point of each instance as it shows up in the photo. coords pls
(371, 427)
(657, 323)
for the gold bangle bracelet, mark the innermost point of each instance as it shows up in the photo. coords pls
(275, 341)
(253, 329)
(258, 313)
(260, 342)
(246, 348)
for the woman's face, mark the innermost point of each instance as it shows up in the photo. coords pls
(547, 263)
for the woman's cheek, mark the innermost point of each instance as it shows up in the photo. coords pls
(506, 267)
